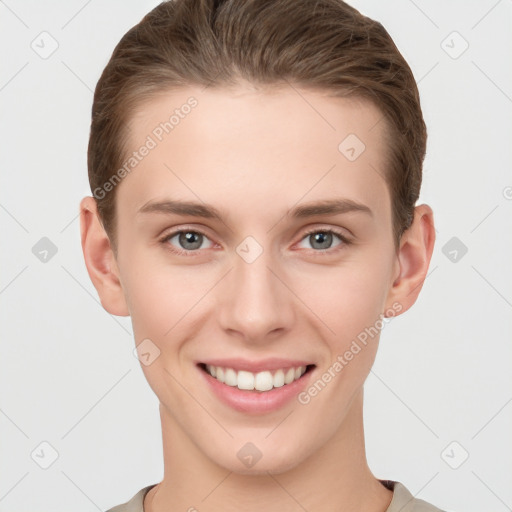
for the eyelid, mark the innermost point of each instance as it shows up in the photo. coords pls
(345, 238)
(164, 239)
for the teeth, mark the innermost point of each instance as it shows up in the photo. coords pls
(279, 379)
(230, 377)
(290, 376)
(261, 381)
(245, 380)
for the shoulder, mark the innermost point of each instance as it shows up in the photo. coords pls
(135, 504)
(404, 501)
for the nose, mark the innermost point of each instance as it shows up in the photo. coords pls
(256, 303)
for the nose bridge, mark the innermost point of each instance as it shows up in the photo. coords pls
(257, 302)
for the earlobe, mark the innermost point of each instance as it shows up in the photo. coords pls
(100, 260)
(414, 255)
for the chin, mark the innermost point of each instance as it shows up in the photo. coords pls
(275, 463)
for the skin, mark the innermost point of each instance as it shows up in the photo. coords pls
(255, 154)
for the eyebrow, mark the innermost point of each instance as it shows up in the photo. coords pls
(323, 207)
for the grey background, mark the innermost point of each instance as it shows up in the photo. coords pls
(441, 385)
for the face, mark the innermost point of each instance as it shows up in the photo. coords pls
(285, 261)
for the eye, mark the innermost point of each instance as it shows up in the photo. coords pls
(322, 239)
(188, 241)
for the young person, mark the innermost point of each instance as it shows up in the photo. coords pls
(255, 167)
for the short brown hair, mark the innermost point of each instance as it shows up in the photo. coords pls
(321, 45)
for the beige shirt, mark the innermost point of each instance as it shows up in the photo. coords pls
(403, 500)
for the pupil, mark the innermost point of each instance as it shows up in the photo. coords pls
(323, 239)
(188, 238)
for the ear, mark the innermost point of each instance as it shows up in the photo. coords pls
(100, 260)
(414, 254)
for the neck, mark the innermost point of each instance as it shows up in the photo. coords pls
(336, 478)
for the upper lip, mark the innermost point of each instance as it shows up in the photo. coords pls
(273, 363)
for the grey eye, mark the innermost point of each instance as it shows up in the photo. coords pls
(187, 240)
(321, 240)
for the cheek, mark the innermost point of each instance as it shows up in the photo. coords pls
(165, 306)
(164, 299)
(350, 300)
(348, 297)
(159, 298)
(360, 300)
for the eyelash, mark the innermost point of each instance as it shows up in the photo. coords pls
(182, 252)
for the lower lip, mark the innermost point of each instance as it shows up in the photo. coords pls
(256, 402)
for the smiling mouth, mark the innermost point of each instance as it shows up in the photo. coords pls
(260, 381)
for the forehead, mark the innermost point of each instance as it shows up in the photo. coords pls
(256, 147)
